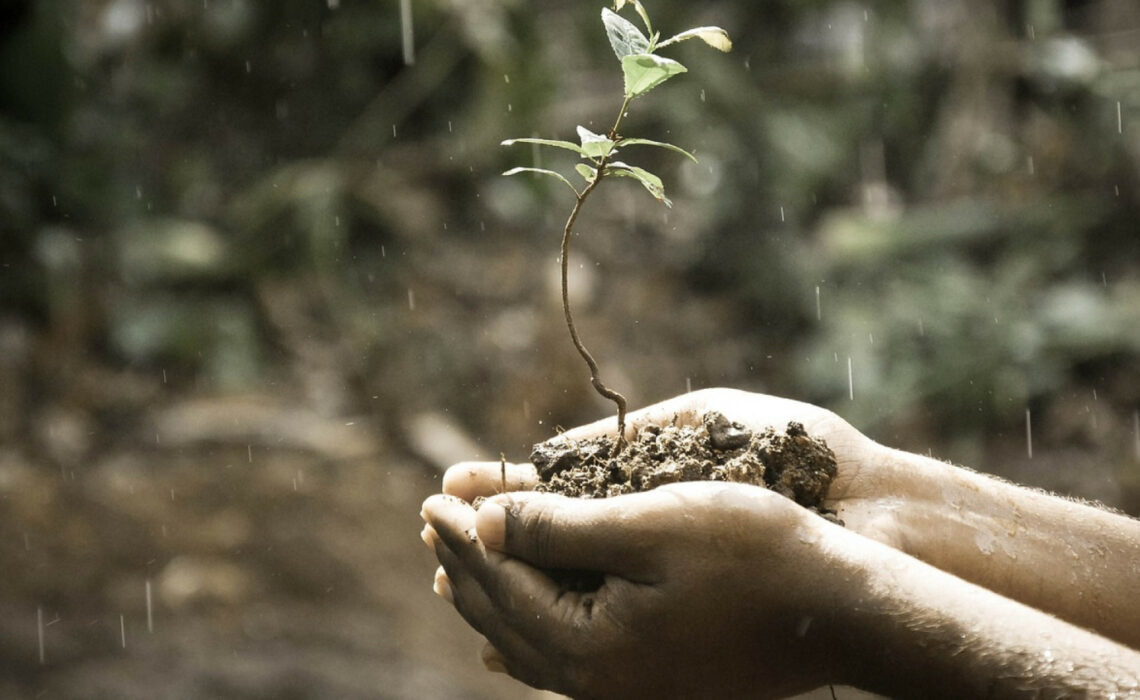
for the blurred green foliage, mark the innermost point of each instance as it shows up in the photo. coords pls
(947, 193)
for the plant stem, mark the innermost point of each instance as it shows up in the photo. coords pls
(595, 374)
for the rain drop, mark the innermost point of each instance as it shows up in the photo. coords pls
(122, 632)
(1028, 434)
(149, 609)
(850, 380)
(1136, 433)
(411, 299)
(406, 32)
(40, 633)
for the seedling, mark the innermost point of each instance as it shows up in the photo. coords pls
(642, 69)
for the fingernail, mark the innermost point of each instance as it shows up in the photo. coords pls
(493, 659)
(494, 665)
(442, 586)
(428, 536)
(491, 524)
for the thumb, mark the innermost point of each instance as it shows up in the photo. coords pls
(550, 531)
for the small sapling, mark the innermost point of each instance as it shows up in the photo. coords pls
(642, 69)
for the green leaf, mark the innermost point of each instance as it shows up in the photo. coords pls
(594, 145)
(651, 182)
(568, 145)
(645, 71)
(625, 38)
(659, 144)
(640, 10)
(542, 171)
(588, 174)
(713, 36)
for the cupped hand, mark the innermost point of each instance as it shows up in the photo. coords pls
(862, 492)
(706, 589)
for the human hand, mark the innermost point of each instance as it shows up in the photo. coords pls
(858, 492)
(706, 590)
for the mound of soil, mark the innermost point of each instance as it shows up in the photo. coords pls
(793, 463)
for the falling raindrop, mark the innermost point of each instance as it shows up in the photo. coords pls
(40, 633)
(850, 381)
(393, 131)
(506, 79)
(688, 385)
(406, 33)
(149, 609)
(411, 299)
(1028, 434)
(782, 214)
(1030, 166)
(449, 129)
(248, 66)
(1119, 119)
(818, 307)
(334, 4)
(702, 94)
(1136, 433)
(249, 453)
(122, 632)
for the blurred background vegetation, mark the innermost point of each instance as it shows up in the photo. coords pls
(260, 280)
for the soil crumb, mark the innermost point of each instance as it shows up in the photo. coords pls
(793, 463)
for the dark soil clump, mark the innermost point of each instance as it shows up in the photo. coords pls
(793, 463)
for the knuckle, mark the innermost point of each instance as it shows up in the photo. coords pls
(540, 525)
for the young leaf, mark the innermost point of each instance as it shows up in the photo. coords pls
(594, 145)
(640, 10)
(659, 144)
(651, 182)
(713, 36)
(588, 174)
(645, 71)
(542, 171)
(568, 145)
(625, 38)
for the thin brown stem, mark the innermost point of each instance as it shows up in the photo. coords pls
(567, 232)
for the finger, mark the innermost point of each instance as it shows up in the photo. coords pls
(517, 621)
(469, 480)
(441, 586)
(610, 535)
(685, 409)
(429, 537)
